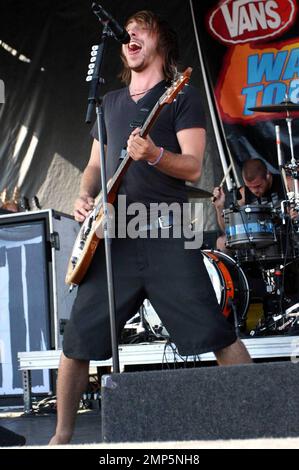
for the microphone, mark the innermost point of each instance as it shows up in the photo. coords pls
(106, 19)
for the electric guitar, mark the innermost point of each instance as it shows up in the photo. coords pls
(88, 236)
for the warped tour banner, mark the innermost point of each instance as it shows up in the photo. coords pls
(251, 54)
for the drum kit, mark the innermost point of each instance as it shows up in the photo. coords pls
(266, 246)
(264, 240)
(261, 262)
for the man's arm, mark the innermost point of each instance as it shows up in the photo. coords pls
(186, 165)
(218, 201)
(90, 184)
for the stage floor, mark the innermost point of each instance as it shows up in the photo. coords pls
(38, 428)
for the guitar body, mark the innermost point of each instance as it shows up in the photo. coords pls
(91, 230)
(82, 256)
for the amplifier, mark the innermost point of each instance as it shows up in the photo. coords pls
(34, 300)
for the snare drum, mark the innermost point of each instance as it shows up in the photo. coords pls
(249, 226)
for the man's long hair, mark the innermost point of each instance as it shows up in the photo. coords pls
(167, 43)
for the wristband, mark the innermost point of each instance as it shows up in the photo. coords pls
(155, 162)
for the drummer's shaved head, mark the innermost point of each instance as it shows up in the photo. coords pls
(254, 168)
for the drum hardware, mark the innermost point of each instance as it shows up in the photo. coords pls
(276, 325)
(137, 329)
(287, 107)
(144, 326)
(278, 316)
(239, 323)
(293, 310)
(152, 321)
(291, 170)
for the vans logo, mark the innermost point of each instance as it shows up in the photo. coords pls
(240, 21)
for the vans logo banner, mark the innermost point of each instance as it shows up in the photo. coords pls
(240, 21)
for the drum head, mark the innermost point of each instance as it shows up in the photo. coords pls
(229, 282)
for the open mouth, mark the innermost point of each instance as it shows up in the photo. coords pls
(134, 47)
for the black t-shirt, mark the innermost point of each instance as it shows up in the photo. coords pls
(142, 182)
(275, 194)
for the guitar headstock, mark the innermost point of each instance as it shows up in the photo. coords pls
(180, 81)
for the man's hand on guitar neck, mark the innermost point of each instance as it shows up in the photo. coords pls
(142, 148)
(82, 207)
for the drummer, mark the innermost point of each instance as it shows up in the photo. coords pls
(260, 187)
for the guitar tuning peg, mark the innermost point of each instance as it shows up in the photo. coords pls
(88, 79)
(91, 66)
(94, 48)
(93, 53)
(93, 59)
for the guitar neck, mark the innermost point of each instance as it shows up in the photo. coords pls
(115, 180)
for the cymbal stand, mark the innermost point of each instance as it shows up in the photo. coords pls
(292, 167)
(274, 316)
(291, 197)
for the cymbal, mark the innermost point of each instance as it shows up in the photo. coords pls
(283, 107)
(195, 192)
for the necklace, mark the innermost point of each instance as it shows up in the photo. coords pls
(140, 92)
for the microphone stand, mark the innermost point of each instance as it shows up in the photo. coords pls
(95, 100)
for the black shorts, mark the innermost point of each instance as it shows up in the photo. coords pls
(174, 279)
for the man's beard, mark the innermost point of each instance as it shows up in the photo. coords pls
(137, 68)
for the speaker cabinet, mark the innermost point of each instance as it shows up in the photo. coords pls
(235, 402)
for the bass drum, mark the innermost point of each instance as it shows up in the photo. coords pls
(229, 282)
(230, 285)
